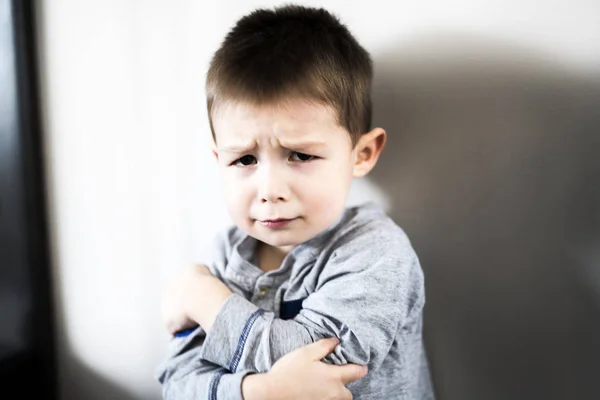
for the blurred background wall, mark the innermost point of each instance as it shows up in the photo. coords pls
(492, 167)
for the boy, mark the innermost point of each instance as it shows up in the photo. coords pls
(288, 96)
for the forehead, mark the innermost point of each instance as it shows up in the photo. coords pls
(295, 120)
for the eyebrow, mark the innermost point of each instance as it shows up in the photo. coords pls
(244, 148)
(303, 145)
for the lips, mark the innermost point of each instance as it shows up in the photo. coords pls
(276, 223)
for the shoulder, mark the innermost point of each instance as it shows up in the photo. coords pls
(223, 245)
(367, 230)
(231, 236)
(370, 247)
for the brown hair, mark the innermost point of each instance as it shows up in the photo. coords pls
(293, 52)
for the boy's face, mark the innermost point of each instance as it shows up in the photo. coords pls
(286, 169)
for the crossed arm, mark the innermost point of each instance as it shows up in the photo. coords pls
(241, 344)
(297, 376)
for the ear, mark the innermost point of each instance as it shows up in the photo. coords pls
(367, 151)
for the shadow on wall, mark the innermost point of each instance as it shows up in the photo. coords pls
(492, 166)
(81, 382)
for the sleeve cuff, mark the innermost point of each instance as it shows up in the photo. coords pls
(227, 386)
(225, 342)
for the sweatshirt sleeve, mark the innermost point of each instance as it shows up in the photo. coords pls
(365, 293)
(185, 376)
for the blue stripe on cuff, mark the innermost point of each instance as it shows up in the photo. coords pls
(185, 333)
(214, 384)
(242, 341)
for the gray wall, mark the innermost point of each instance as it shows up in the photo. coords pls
(493, 169)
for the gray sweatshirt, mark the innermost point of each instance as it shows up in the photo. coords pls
(360, 281)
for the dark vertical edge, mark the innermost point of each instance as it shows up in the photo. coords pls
(37, 229)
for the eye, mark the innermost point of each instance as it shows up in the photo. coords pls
(301, 157)
(245, 161)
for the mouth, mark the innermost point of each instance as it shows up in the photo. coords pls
(276, 223)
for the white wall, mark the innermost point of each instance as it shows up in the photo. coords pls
(134, 195)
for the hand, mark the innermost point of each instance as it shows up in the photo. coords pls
(301, 375)
(176, 298)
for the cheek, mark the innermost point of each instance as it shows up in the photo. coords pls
(236, 192)
(326, 191)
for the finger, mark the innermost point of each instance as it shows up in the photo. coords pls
(321, 348)
(350, 372)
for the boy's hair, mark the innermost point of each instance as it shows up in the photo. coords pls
(291, 52)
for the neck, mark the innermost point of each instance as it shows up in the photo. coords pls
(271, 257)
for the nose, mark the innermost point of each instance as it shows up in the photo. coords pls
(273, 185)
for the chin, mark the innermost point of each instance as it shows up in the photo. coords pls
(276, 242)
(281, 239)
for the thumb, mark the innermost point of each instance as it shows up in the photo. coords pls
(321, 348)
(351, 372)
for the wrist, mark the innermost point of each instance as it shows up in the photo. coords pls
(257, 387)
(206, 296)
